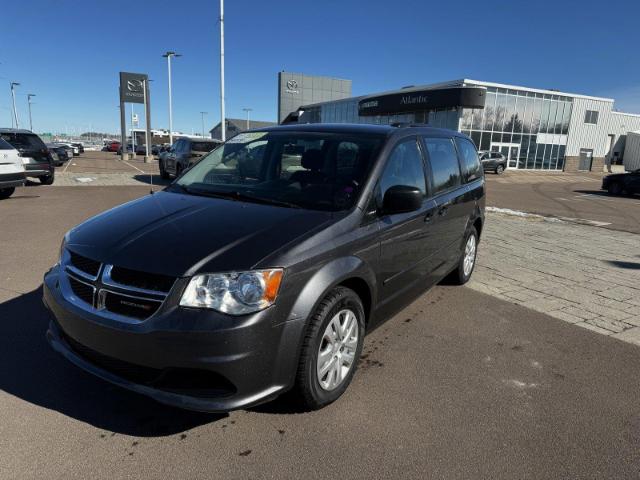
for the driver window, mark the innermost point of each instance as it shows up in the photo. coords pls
(404, 167)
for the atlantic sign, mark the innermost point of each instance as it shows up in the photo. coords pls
(417, 100)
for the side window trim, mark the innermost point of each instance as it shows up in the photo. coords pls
(462, 163)
(433, 193)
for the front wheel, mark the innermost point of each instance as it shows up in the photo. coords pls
(467, 262)
(6, 192)
(615, 188)
(499, 169)
(331, 349)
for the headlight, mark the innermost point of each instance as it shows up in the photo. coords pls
(235, 293)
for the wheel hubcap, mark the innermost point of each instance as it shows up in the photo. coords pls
(337, 349)
(469, 255)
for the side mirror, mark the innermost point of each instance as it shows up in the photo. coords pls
(401, 199)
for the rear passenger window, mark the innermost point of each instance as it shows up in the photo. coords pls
(470, 163)
(444, 163)
(404, 167)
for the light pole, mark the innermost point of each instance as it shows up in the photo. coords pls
(202, 114)
(29, 95)
(168, 56)
(13, 96)
(247, 110)
(223, 126)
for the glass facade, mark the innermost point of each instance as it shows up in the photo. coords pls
(529, 128)
(346, 111)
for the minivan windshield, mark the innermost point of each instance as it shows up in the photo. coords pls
(313, 170)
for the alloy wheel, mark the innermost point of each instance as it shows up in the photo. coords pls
(469, 255)
(337, 349)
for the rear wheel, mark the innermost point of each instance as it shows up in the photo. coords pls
(48, 180)
(615, 188)
(467, 262)
(6, 192)
(500, 169)
(331, 349)
(163, 173)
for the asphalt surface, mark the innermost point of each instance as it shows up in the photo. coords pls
(106, 162)
(458, 385)
(564, 195)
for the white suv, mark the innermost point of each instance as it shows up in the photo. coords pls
(12, 173)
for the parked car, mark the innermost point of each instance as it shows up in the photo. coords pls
(72, 146)
(184, 154)
(112, 147)
(59, 153)
(12, 172)
(129, 149)
(37, 161)
(248, 277)
(493, 162)
(80, 146)
(622, 183)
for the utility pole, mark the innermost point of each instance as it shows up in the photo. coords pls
(247, 110)
(168, 56)
(29, 95)
(13, 96)
(223, 125)
(202, 114)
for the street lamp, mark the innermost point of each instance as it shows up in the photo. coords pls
(202, 114)
(223, 123)
(247, 110)
(29, 95)
(168, 56)
(13, 96)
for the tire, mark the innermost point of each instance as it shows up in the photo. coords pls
(499, 169)
(163, 173)
(462, 274)
(6, 192)
(48, 180)
(615, 188)
(309, 390)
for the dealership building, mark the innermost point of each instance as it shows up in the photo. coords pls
(536, 129)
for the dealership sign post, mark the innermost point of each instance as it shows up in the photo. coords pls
(134, 88)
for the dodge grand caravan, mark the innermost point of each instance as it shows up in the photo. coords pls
(260, 269)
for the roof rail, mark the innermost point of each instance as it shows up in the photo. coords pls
(408, 124)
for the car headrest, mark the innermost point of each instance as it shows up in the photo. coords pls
(311, 159)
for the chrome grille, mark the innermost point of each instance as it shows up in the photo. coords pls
(114, 291)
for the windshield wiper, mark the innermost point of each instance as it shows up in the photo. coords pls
(239, 196)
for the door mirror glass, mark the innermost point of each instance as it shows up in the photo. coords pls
(402, 199)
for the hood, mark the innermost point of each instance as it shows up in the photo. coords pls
(178, 235)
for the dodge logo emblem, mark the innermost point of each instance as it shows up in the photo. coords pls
(292, 84)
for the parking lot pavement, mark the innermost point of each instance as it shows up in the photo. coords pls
(583, 275)
(106, 169)
(565, 195)
(460, 384)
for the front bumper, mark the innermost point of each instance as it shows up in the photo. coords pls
(189, 358)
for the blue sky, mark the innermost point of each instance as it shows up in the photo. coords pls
(69, 52)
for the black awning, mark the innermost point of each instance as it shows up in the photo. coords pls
(419, 100)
